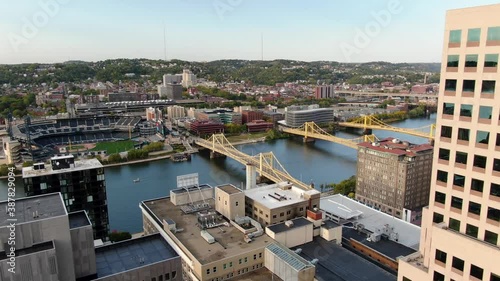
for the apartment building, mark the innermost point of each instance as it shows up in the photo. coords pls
(394, 176)
(460, 227)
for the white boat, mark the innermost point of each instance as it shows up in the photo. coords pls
(137, 180)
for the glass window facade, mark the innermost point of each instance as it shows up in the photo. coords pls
(482, 137)
(448, 108)
(456, 36)
(488, 87)
(453, 60)
(493, 33)
(474, 35)
(469, 86)
(471, 60)
(450, 85)
(485, 112)
(466, 110)
(491, 60)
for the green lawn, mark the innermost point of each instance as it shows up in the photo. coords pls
(245, 137)
(114, 146)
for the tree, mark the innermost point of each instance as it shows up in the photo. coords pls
(28, 164)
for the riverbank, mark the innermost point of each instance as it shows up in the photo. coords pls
(138, 161)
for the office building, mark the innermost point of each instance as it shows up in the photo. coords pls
(203, 128)
(162, 91)
(324, 92)
(54, 245)
(296, 116)
(174, 91)
(176, 112)
(188, 78)
(394, 176)
(251, 115)
(259, 126)
(81, 183)
(461, 225)
(172, 78)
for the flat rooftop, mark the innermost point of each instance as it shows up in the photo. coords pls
(78, 219)
(267, 195)
(388, 248)
(131, 254)
(229, 240)
(281, 227)
(229, 188)
(350, 210)
(339, 264)
(190, 188)
(47, 205)
(80, 165)
(30, 250)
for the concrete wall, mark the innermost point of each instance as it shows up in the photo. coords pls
(254, 261)
(196, 195)
(285, 271)
(330, 234)
(294, 236)
(55, 228)
(230, 205)
(39, 266)
(149, 271)
(82, 241)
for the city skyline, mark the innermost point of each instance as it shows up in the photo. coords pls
(50, 31)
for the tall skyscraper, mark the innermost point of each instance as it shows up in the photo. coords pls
(461, 225)
(81, 183)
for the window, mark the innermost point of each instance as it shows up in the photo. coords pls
(224, 266)
(490, 237)
(241, 261)
(494, 277)
(461, 157)
(174, 274)
(444, 154)
(498, 140)
(282, 214)
(458, 180)
(274, 216)
(446, 131)
(450, 85)
(208, 270)
(160, 278)
(440, 197)
(237, 203)
(260, 255)
(454, 224)
(475, 208)
(438, 276)
(457, 263)
(442, 176)
(456, 202)
(482, 137)
(448, 108)
(471, 230)
(485, 112)
(167, 276)
(476, 271)
(471, 61)
(441, 256)
(488, 87)
(456, 36)
(479, 161)
(496, 165)
(289, 212)
(215, 269)
(437, 218)
(495, 190)
(255, 256)
(466, 109)
(453, 60)
(153, 278)
(491, 60)
(246, 259)
(477, 185)
(493, 34)
(493, 214)
(230, 264)
(474, 35)
(463, 134)
(406, 279)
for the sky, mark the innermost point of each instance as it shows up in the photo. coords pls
(47, 31)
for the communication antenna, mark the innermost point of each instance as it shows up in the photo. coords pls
(165, 40)
(262, 46)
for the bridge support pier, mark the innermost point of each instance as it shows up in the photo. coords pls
(308, 140)
(214, 154)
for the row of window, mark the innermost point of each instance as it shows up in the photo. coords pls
(470, 230)
(230, 264)
(167, 276)
(475, 185)
(490, 60)
(485, 112)
(469, 86)
(459, 265)
(239, 272)
(482, 137)
(474, 208)
(479, 161)
(474, 35)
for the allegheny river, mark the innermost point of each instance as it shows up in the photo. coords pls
(320, 162)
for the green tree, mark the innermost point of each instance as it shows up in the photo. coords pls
(28, 164)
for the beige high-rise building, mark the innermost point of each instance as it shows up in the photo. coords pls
(461, 225)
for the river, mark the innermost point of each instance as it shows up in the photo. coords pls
(319, 162)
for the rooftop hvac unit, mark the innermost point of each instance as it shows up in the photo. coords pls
(289, 223)
(207, 236)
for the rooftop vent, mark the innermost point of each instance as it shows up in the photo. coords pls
(289, 223)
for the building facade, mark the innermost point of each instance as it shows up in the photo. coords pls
(394, 177)
(81, 183)
(461, 225)
(296, 116)
(174, 91)
(176, 112)
(324, 92)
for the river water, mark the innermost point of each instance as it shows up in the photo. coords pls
(320, 162)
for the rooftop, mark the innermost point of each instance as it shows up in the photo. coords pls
(273, 196)
(397, 147)
(47, 206)
(130, 254)
(339, 264)
(229, 189)
(290, 257)
(281, 227)
(30, 250)
(388, 248)
(78, 219)
(80, 165)
(261, 274)
(371, 219)
(228, 240)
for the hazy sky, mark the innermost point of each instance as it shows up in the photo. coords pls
(203, 30)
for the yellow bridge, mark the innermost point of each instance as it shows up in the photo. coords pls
(370, 122)
(266, 164)
(313, 131)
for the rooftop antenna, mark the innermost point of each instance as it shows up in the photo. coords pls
(262, 46)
